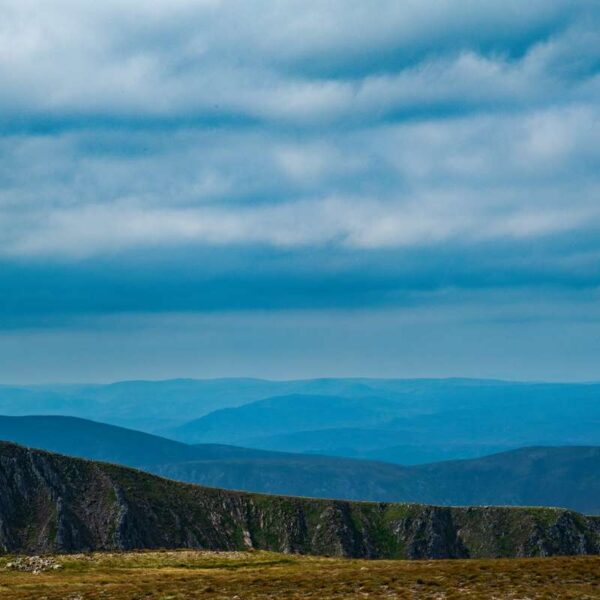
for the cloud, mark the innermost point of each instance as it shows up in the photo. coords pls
(94, 229)
(307, 154)
(416, 184)
(302, 62)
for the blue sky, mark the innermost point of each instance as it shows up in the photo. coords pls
(295, 189)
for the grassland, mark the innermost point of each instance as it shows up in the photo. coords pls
(263, 575)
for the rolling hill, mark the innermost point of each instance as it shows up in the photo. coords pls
(99, 441)
(51, 503)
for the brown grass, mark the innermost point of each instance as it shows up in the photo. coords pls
(262, 575)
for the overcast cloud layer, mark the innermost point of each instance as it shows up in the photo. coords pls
(204, 156)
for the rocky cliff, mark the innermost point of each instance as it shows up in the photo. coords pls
(51, 503)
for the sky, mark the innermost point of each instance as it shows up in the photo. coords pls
(209, 188)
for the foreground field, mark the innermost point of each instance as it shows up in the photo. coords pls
(249, 576)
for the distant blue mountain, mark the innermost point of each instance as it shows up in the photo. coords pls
(433, 421)
(282, 414)
(404, 421)
(145, 405)
(155, 405)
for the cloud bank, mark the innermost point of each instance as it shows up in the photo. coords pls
(217, 156)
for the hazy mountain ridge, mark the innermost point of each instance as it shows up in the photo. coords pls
(155, 405)
(53, 503)
(144, 405)
(282, 414)
(420, 421)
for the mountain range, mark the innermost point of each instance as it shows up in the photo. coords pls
(401, 421)
(544, 476)
(449, 420)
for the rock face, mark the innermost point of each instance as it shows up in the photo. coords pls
(51, 503)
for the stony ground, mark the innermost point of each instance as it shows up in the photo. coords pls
(265, 576)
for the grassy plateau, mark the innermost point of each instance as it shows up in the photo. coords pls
(179, 575)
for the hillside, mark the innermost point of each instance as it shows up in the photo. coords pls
(559, 476)
(98, 441)
(567, 477)
(53, 503)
